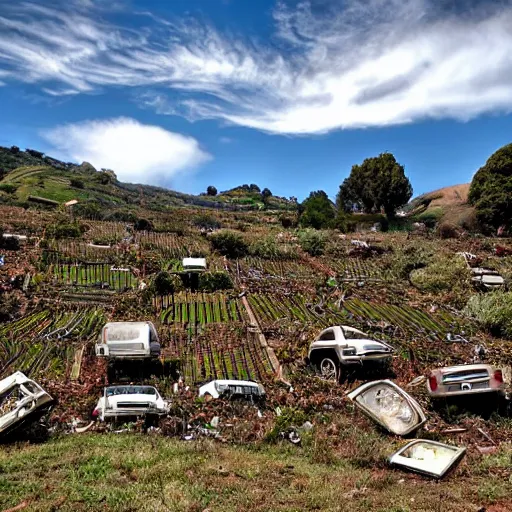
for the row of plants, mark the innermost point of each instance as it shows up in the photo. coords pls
(271, 308)
(219, 352)
(198, 309)
(289, 269)
(44, 342)
(94, 274)
(170, 245)
(358, 268)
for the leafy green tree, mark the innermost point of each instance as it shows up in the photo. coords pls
(317, 211)
(491, 190)
(378, 183)
(211, 191)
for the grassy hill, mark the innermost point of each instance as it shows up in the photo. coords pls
(25, 175)
(446, 205)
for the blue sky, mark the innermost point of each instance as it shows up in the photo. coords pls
(285, 94)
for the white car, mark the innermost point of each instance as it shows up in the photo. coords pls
(129, 401)
(343, 345)
(22, 402)
(231, 388)
(128, 340)
(466, 379)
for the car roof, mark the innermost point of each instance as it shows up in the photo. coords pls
(233, 382)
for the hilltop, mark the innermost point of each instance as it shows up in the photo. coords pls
(30, 176)
(445, 205)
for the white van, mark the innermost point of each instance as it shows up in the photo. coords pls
(128, 340)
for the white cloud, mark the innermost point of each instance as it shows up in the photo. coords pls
(330, 65)
(138, 153)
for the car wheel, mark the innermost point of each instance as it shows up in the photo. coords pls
(328, 369)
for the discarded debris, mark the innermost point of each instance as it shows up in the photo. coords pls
(22, 402)
(428, 457)
(465, 379)
(232, 389)
(390, 406)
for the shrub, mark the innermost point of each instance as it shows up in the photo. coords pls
(206, 221)
(446, 230)
(409, 258)
(230, 244)
(143, 225)
(287, 221)
(493, 311)
(8, 187)
(213, 281)
(165, 283)
(447, 274)
(312, 242)
(211, 191)
(121, 216)
(65, 229)
(76, 183)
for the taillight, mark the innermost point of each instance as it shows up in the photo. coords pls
(95, 413)
(432, 382)
(498, 375)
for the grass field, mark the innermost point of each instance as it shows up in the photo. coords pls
(128, 472)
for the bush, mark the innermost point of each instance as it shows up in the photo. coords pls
(230, 244)
(165, 283)
(206, 221)
(447, 274)
(409, 258)
(65, 230)
(213, 281)
(493, 311)
(446, 230)
(143, 225)
(287, 221)
(313, 242)
(76, 183)
(121, 216)
(211, 191)
(8, 187)
(268, 248)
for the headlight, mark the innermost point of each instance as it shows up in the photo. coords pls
(349, 351)
(390, 406)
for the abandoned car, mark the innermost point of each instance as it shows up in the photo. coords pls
(428, 457)
(343, 345)
(22, 402)
(233, 389)
(128, 340)
(390, 406)
(129, 401)
(194, 264)
(464, 380)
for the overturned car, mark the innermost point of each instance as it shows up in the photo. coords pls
(129, 401)
(22, 403)
(465, 380)
(233, 389)
(342, 345)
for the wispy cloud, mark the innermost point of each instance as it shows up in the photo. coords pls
(330, 65)
(137, 152)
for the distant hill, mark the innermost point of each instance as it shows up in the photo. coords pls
(448, 204)
(27, 177)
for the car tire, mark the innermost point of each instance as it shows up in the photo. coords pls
(328, 370)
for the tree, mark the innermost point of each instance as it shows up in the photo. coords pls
(265, 193)
(317, 211)
(211, 191)
(378, 183)
(491, 190)
(229, 243)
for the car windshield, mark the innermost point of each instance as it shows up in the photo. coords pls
(122, 332)
(353, 335)
(131, 390)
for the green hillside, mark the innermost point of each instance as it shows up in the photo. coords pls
(25, 175)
